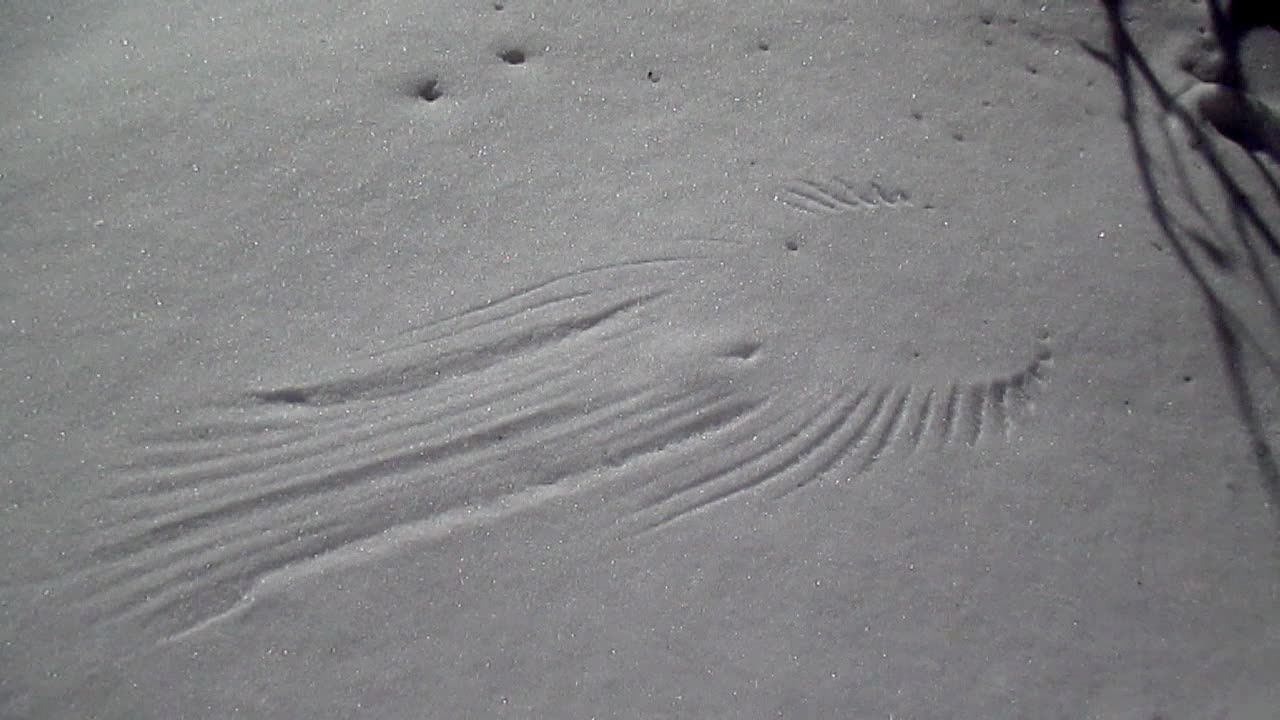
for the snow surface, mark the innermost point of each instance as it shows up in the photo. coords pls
(909, 359)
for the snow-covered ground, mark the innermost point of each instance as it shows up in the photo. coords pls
(688, 359)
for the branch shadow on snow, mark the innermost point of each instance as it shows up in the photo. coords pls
(1242, 244)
